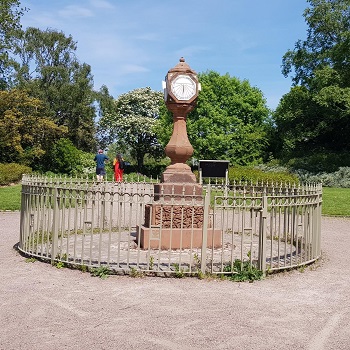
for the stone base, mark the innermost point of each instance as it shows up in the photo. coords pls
(155, 238)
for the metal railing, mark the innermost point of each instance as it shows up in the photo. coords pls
(89, 224)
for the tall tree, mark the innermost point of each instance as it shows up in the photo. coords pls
(50, 71)
(131, 123)
(10, 14)
(313, 119)
(26, 133)
(327, 43)
(106, 107)
(229, 121)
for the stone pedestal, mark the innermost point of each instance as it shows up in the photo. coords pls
(157, 238)
(176, 226)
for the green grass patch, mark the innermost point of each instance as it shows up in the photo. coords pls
(336, 201)
(10, 197)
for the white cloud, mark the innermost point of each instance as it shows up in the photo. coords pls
(101, 4)
(75, 11)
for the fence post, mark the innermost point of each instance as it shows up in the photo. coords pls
(262, 235)
(55, 219)
(24, 223)
(205, 229)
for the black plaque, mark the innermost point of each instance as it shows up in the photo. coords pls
(213, 168)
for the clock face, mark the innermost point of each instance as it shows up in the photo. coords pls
(183, 87)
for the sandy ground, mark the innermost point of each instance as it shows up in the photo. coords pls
(43, 307)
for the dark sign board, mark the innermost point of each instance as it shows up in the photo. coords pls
(213, 168)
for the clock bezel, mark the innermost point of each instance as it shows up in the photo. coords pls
(171, 77)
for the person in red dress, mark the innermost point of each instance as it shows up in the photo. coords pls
(118, 165)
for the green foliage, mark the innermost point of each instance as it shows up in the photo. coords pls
(154, 169)
(132, 121)
(102, 272)
(10, 15)
(65, 158)
(50, 71)
(10, 197)
(327, 43)
(243, 271)
(26, 132)
(12, 173)
(323, 162)
(252, 174)
(336, 201)
(229, 122)
(82, 268)
(179, 273)
(312, 119)
(339, 178)
(136, 273)
(59, 264)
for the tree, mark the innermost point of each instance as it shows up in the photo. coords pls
(106, 106)
(10, 14)
(131, 123)
(327, 43)
(228, 122)
(50, 71)
(25, 133)
(312, 120)
(65, 158)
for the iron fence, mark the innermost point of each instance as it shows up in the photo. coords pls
(127, 229)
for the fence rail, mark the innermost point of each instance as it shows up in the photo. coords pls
(84, 223)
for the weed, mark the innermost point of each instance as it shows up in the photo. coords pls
(30, 260)
(135, 273)
(151, 262)
(200, 274)
(229, 231)
(243, 271)
(59, 264)
(82, 268)
(196, 259)
(197, 263)
(179, 273)
(301, 268)
(102, 272)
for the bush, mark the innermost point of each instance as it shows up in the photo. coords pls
(252, 174)
(320, 162)
(12, 173)
(65, 158)
(339, 178)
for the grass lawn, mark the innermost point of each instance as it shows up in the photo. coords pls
(10, 197)
(336, 201)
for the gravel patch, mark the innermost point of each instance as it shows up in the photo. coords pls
(43, 307)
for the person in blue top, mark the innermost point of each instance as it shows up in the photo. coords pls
(100, 159)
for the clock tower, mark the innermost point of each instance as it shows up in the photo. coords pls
(181, 89)
(175, 219)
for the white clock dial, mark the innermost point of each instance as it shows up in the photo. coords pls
(183, 87)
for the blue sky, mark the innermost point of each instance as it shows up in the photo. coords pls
(133, 43)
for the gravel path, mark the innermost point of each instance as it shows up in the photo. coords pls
(43, 307)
